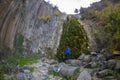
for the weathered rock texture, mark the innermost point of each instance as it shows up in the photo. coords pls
(10, 12)
(36, 20)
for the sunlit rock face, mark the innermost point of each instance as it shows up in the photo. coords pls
(39, 22)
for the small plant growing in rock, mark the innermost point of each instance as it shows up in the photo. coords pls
(52, 72)
(57, 13)
(44, 18)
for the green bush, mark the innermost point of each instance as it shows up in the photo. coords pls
(75, 37)
(113, 27)
(17, 59)
(1, 77)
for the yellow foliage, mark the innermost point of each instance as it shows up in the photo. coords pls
(57, 13)
(44, 18)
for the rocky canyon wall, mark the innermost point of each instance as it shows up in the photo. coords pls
(39, 23)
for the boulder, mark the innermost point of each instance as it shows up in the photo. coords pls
(76, 63)
(20, 76)
(117, 65)
(111, 64)
(109, 56)
(81, 57)
(102, 51)
(93, 58)
(91, 65)
(84, 75)
(94, 64)
(100, 57)
(87, 58)
(110, 78)
(67, 71)
(24, 76)
(26, 67)
(104, 73)
(91, 71)
(87, 65)
(93, 53)
(51, 61)
(15, 69)
(56, 67)
(102, 64)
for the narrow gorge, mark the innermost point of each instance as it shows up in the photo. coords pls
(34, 34)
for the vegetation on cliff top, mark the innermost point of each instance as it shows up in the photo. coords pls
(106, 19)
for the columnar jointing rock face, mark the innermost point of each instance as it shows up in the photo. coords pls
(36, 20)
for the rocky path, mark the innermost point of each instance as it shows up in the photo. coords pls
(41, 70)
(95, 66)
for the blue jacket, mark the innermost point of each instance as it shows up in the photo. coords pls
(67, 51)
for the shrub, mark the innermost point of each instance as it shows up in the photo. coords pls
(44, 18)
(57, 13)
(52, 72)
(75, 37)
(7, 64)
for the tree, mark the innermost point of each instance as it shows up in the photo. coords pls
(113, 27)
(76, 11)
(75, 37)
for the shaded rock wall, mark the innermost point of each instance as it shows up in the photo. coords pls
(10, 18)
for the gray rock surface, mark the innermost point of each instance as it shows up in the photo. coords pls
(35, 20)
(111, 64)
(93, 53)
(74, 62)
(117, 65)
(104, 73)
(81, 57)
(24, 76)
(67, 71)
(94, 64)
(100, 56)
(84, 75)
(87, 58)
(95, 69)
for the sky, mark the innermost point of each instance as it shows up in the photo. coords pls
(68, 6)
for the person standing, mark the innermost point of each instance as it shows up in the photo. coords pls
(67, 52)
